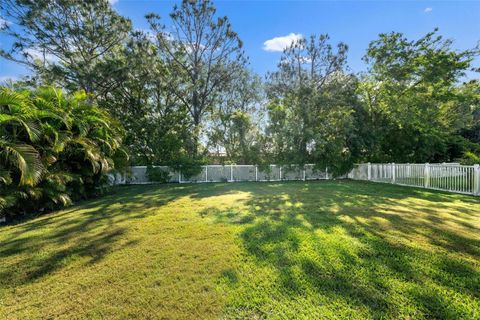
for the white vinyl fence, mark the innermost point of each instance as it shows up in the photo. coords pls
(451, 177)
(228, 173)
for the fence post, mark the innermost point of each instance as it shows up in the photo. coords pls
(280, 173)
(256, 173)
(231, 173)
(369, 171)
(427, 175)
(393, 172)
(476, 179)
(179, 176)
(304, 174)
(206, 173)
(326, 173)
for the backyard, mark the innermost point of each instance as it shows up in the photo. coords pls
(329, 249)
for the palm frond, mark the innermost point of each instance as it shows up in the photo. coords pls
(5, 177)
(11, 98)
(26, 159)
(7, 201)
(31, 127)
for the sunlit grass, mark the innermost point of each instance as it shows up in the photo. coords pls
(336, 249)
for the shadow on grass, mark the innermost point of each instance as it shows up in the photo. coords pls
(389, 244)
(369, 244)
(88, 231)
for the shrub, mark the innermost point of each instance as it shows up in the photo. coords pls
(54, 149)
(470, 158)
(156, 174)
(189, 166)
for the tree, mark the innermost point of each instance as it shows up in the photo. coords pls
(66, 42)
(54, 149)
(311, 99)
(471, 93)
(237, 119)
(198, 48)
(156, 123)
(411, 95)
(19, 126)
(308, 63)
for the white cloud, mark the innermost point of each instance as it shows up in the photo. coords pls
(112, 2)
(278, 44)
(4, 23)
(428, 10)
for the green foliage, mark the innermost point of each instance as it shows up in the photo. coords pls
(157, 174)
(236, 121)
(470, 93)
(54, 149)
(470, 158)
(204, 54)
(188, 166)
(67, 42)
(183, 92)
(157, 126)
(412, 99)
(311, 106)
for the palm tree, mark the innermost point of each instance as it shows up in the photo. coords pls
(18, 126)
(53, 146)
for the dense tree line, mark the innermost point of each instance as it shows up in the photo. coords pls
(182, 90)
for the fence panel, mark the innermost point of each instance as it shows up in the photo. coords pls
(451, 177)
(380, 172)
(218, 173)
(293, 172)
(410, 174)
(243, 173)
(312, 173)
(227, 173)
(200, 177)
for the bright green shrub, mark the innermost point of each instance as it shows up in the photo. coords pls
(470, 158)
(54, 149)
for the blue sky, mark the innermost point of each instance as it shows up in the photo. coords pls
(353, 22)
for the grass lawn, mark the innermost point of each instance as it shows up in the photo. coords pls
(316, 250)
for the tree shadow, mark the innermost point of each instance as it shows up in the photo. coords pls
(369, 244)
(385, 235)
(88, 231)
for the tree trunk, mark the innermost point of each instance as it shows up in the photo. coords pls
(196, 110)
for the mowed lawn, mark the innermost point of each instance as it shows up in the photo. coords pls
(293, 250)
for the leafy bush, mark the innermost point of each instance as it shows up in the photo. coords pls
(54, 149)
(470, 158)
(156, 174)
(189, 166)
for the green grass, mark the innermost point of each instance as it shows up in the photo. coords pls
(317, 250)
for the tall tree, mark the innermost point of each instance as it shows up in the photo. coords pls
(198, 47)
(311, 104)
(235, 123)
(308, 63)
(411, 94)
(67, 42)
(156, 123)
